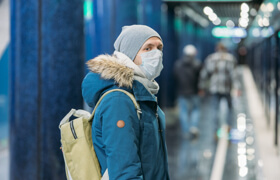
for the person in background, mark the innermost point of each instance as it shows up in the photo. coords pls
(218, 77)
(126, 146)
(186, 71)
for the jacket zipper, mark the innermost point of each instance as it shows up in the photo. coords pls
(73, 129)
(161, 140)
(160, 130)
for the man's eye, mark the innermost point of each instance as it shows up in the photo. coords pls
(147, 49)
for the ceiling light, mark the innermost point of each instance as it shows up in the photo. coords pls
(244, 25)
(212, 17)
(250, 140)
(241, 121)
(244, 14)
(230, 24)
(260, 163)
(260, 23)
(265, 21)
(241, 151)
(270, 7)
(207, 10)
(243, 171)
(241, 115)
(250, 151)
(217, 21)
(244, 7)
(88, 10)
(243, 21)
(263, 7)
(256, 32)
(265, 32)
(253, 12)
(242, 160)
(225, 32)
(240, 32)
(278, 6)
(241, 144)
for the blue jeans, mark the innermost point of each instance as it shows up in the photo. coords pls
(189, 111)
(215, 105)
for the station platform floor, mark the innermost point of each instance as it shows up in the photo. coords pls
(246, 153)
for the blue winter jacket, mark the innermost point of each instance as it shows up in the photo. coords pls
(138, 150)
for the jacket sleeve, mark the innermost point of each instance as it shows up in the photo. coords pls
(121, 143)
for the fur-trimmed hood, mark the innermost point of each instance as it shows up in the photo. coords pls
(105, 73)
(109, 68)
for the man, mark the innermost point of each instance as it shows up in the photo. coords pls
(218, 76)
(129, 147)
(186, 71)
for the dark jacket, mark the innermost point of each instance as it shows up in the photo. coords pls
(186, 71)
(138, 150)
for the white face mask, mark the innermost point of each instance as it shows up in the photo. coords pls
(151, 63)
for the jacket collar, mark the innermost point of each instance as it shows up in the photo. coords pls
(141, 93)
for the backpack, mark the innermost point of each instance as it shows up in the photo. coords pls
(76, 143)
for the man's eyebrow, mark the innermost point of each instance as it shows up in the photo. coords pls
(150, 44)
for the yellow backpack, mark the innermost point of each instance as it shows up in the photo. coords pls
(80, 159)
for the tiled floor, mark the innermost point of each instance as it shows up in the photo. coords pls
(190, 158)
(193, 159)
(4, 164)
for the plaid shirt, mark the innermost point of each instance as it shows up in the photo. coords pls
(219, 74)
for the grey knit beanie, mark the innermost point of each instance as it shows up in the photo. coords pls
(132, 38)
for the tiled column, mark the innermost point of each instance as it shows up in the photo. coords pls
(170, 55)
(47, 68)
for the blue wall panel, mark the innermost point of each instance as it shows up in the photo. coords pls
(24, 91)
(47, 68)
(102, 19)
(125, 13)
(109, 16)
(170, 55)
(150, 14)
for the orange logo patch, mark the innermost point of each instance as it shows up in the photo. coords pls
(120, 123)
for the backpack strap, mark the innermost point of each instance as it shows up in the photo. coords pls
(136, 105)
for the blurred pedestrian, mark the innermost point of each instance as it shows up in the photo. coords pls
(218, 76)
(128, 146)
(186, 71)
